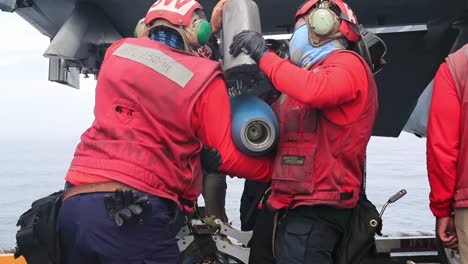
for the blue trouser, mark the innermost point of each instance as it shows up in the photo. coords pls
(89, 235)
(310, 235)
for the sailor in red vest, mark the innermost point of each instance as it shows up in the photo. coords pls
(447, 152)
(138, 165)
(326, 115)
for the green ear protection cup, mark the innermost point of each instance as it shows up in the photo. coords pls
(322, 21)
(204, 32)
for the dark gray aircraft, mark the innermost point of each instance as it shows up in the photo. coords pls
(418, 33)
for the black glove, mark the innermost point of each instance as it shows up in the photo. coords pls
(251, 43)
(280, 47)
(123, 206)
(210, 159)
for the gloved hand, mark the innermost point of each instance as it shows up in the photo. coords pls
(251, 43)
(280, 47)
(123, 206)
(210, 159)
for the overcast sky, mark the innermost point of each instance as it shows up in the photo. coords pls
(30, 104)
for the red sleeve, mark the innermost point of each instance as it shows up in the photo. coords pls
(339, 80)
(212, 122)
(443, 142)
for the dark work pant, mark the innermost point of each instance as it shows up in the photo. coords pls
(310, 234)
(88, 234)
(261, 244)
(251, 196)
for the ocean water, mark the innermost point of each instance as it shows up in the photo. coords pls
(31, 168)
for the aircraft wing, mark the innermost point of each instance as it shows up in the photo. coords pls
(418, 33)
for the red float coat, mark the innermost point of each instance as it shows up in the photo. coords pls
(326, 121)
(155, 108)
(447, 134)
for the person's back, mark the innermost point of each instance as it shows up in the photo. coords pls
(139, 133)
(214, 184)
(138, 166)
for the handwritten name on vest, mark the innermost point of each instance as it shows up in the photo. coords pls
(156, 60)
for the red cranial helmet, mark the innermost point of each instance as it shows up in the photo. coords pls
(327, 20)
(177, 12)
(184, 16)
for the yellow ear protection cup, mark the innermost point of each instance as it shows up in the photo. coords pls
(322, 21)
(203, 32)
